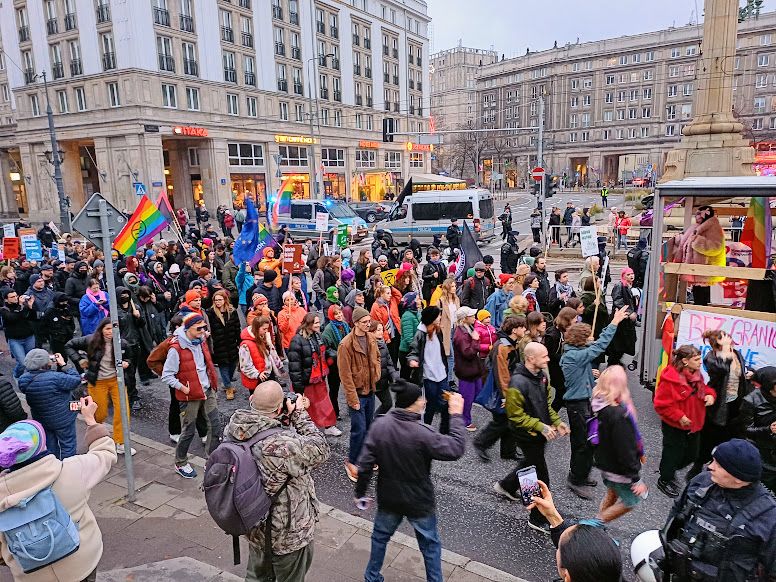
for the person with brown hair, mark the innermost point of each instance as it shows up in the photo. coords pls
(681, 399)
(225, 331)
(536, 326)
(259, 361)
(386, 310)
(448, 305)
(554, 341)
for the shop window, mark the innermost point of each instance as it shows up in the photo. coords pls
(366, 159)
(293, 156)
(416, 160)
(393, 160)
(332, 157)
(302, 211)
(193, 157)
(246, 154)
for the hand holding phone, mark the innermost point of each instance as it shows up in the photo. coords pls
(529, 485)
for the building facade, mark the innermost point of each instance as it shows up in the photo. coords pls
(211, 100)
(615, 105)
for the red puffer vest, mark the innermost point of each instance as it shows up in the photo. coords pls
(187, 372)
(258, 358)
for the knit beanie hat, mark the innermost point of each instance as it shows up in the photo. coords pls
(331, 311)
(382, 258)
(740, 458)
(174, 268)
(348, 275)
(20, 442)
(36, 359)
(270, 275)
(267, 397)
(98, 263)
(332, 295)
(191, 319)
(409, 301)
(429, 315)
(470, 272)
(34, 279)
(203, 272)
(504, 278)
(483, 314)
(407, 393)
(191, 295)
(359, 313)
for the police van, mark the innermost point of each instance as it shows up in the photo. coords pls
(423, 214)
(301, 223)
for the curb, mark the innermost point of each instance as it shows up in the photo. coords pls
(477, 568)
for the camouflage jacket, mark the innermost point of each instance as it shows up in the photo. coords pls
(293, 452)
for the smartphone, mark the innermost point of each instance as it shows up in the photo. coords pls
(529, 484)
(75, 405)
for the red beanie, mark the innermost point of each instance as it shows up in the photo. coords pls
(191, 295)
(331, 311)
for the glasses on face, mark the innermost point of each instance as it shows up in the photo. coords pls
(365, 322)
(201, 328)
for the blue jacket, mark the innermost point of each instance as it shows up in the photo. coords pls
(244, 281)
(496, 304)
(49, 394)
(576, 365)
(91, 315)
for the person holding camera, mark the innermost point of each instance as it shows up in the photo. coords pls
(404, 448)
(49, 392)
(18, 316)
(286, 458)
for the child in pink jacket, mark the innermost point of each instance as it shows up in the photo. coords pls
(486, 331)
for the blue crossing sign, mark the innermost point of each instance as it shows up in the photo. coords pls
(140, 189)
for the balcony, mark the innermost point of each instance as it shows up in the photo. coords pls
(386, 78)
(335, 64)
(411, 84)
(227, 34)
(108, 61)
(395, 79)
(76, 68)
(162, 16)
(24, 33)
(245, 4)
(420, 110)
(29, 76)
(296, 53)
(367, 43)
(359, 100)
(230, 75)
(368, 73)
(247, 39)
(277, 12)
(280, 49)
(396, 108)
(395, 53)
(356, 40)
(387, 105)
(103, 13)
(293, 18)
(57, 70)
(338, 96)
(324, 93)
(283, 85)
(320, 27)
(369, 102)
(386, 50)
(187, 23)
(333, 32)
(411, 58)
(298, 89)
(356, 69)
(412, 110)
(70, 22)
(419, 62)
(52, 26)
(420, 85)
(166, 63)
(250, 79)
(190, 67)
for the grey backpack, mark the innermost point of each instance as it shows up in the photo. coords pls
(234, 489)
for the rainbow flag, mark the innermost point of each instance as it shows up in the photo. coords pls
(265, 239)
(666, 344)
(145, 223)
(758, 230)
(282, 203)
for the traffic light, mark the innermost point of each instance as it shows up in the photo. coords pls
(550, 186)
(536, 188)
(389, 126)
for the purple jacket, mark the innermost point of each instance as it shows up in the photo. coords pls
(468, 365)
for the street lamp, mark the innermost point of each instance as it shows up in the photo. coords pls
(314, 187)
(56, 159)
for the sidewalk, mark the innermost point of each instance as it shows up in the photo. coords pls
(167, 535)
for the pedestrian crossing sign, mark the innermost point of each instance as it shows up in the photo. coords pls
(140, 189)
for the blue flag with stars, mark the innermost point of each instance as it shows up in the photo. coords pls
(246, 243)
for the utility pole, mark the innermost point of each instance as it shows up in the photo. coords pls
(64, 203)
(539, 156)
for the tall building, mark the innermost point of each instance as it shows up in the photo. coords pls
(615, 105)
(212, 100)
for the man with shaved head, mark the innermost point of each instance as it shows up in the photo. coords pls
(533, 422)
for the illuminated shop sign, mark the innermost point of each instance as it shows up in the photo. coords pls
(302, 139)
(189, 131)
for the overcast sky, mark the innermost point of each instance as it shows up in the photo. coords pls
(511, 26)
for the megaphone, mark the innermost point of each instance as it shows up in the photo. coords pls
(646, 550)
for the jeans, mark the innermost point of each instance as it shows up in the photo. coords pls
(189, 412)
(19, 349)
(291, 567)
(61, 442)
(451, 362)
(435, 403)
(226, 371)
(534, 455)
(426, 533)
(581, 453)
(360, 421)
(622, 240)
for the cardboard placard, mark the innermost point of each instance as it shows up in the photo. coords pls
(9, 230)
(27, 234)
(588, 237)
(389, 276)
(33, 249)
(321, 221)
(292, 258)
(11, 246)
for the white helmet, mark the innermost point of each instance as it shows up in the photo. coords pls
(643, 545)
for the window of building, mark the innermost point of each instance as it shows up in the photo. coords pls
(333, 157)
(293, 156)
(574, 84)
(686, 110)
(417, 160)
(621, 96)
(573, 136)
(675, 53)
(586, 101)
(34, 105)
(670, 130)
(757, 123)
(574, 101)
(192, 98)
(761, 80)
(283, 110)
(632, 132)
(687, 89)
(608, 115)
(759, 104)
(610, 79)
(646, 112)
(606, 134)
(62, 102)
(609, 98)
(246, 154)
(636, 58)
(763, 60)
(585, 136)
(359, 121)
(5, 92)
(671, 112)
(366, 159)
(587, 83)
(689, 70)
(620, 134)
(647, 93)
(298, 112)
(393, 160)
(624, 60)
(672, 90)
(632, 113)
(232, 104)
(573, 120)
(252, 106)
(585, 120)
(765, 40)
(620, 114)
(193, 157)
(634, 95)
(691, 50)
(80, 98)
(114, 100)
(673, 71)
(169, 98)
(337, 118)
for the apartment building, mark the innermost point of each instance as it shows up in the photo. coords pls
(454, 84)
(213, 100)
(615, 105)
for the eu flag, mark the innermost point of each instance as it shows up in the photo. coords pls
(246, 243)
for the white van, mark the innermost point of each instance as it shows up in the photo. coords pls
(421, 215)
(301, 222)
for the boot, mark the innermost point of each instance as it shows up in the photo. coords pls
(229, 393)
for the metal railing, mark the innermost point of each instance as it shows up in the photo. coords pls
(57, 70)
(76, 68)
(52, 26)
(186, 23)
(103, 13)
(250, 79)
(162, 16)
(71, 22)
(247, 39)
(190, 67)
(24, 33)
(166, 63)
(108, 61)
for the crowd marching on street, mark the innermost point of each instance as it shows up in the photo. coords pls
(340, 338)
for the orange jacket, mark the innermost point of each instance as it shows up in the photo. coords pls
(382, 312)
(288, 322)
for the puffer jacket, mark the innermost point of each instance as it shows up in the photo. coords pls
(288, 455)
(49, 393)
(226, 336)
(73, 350)
(300, 360)
(410, 320)
(10, 406)
(758, 412)
(72, 481)
(488, 337)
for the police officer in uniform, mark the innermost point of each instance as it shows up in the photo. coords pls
(723, 527)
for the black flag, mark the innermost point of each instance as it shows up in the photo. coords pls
(470, 253)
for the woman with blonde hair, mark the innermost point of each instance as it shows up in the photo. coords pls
(522, 271)
(449, 304)
(225, 331)
(518, 305)
(619, 452)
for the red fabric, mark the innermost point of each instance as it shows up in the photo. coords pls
(679, 395)
(187, 372)
(622, 224)
(487, 337)
(321, 411)
(259, 361)
(289, 321)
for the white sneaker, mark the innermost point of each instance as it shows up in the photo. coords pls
(332, 431)
(204, 440)
(175, 438)
(120, 450)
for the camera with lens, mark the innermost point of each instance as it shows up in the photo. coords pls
(285, 416)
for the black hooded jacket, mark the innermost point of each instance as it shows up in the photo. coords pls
(75, 286)
(758, 412)
(59, 320)
(129, 325)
